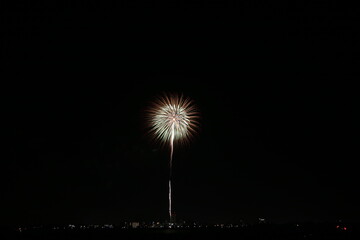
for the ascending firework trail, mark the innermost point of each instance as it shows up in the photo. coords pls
(173, 119)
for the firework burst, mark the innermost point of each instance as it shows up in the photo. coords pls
(173, 119)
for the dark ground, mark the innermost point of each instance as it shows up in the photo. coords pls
(262, 231)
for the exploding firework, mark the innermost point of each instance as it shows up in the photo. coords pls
(173, 119)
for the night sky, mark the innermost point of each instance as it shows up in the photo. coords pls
(279, 116)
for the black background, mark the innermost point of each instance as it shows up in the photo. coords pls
(273, 82)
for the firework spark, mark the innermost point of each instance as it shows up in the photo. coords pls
(173, 118)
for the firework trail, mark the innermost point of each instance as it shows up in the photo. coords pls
(173, 118)
(170, 174)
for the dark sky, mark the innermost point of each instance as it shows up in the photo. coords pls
(278, 137)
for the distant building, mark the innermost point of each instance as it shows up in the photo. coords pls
(135, 224)
(262, 220)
